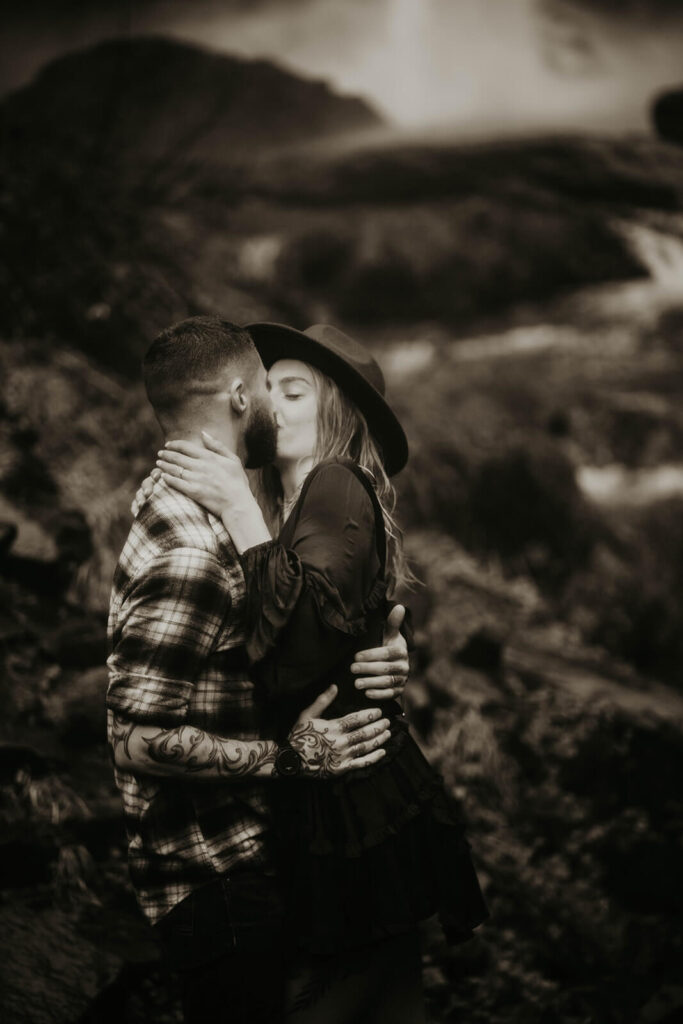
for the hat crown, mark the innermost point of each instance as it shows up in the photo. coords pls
(350, 351)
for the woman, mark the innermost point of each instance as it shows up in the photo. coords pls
(366, 857)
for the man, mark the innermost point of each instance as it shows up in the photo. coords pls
(182, 720)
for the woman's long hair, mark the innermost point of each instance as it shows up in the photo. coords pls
(343, 432)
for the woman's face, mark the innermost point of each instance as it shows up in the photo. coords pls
(295, 402)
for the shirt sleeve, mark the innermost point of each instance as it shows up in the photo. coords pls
(170, 621)
(305, 603)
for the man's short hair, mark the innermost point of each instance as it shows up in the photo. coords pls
(193, 352)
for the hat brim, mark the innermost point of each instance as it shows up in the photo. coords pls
(278, 341)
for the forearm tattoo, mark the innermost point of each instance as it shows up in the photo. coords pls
(119, 735)
(191, 750)
(198, 751)
(316, 749)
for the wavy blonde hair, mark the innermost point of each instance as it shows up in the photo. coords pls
(343, 432)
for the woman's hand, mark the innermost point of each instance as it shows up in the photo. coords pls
(145, 490)
(383, 671)
(211, 474)
(214, 476)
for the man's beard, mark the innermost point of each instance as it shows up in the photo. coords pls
(260, 438)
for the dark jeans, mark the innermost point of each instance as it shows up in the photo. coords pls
(227, 942)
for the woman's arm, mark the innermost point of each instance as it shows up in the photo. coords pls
(215, 477)
(306, 601)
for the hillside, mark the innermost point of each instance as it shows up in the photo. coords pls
(138, 100)
(565, 757)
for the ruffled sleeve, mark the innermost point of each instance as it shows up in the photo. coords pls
(311, 597)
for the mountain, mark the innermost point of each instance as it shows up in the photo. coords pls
(93, 150)
(154, 98)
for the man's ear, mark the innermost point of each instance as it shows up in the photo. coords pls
(238, 397)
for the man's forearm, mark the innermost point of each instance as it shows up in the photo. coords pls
(187, 751)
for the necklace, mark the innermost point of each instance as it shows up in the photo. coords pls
(303, 471)
(289, 503)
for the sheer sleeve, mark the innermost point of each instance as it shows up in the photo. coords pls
(310, 598)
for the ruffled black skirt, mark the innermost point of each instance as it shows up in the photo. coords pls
(373, 853)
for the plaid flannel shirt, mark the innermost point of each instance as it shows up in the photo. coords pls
(176, 632)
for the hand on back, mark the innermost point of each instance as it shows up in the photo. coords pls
(330, 747)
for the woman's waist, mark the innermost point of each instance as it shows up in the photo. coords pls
(365, 806)
(404, 768)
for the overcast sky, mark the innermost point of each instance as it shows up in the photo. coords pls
(486, 65)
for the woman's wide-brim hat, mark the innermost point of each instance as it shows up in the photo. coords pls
(351, 367)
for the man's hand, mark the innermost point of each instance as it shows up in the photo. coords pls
(334, 746)
(383, 671)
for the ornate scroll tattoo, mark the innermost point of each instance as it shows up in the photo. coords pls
(194, 750)
(190, 750)
(119, 735)
(316, 749)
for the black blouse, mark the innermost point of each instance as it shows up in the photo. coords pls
(317, 594)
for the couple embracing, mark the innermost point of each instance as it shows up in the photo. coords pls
(286, 835)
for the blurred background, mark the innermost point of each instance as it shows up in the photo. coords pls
(490, 194)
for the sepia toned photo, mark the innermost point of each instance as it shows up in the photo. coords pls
(341, 512)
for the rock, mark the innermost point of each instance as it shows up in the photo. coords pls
(34, 852)
(45, 578)
(419, 707)
(483, 650)
(665, 1007)
(546, 522)
(667, 114)
(101, 833)
(16, 758)
(74, 876)
(76, 707)
(49, 973)
(643, 872)
(49, 833)
(8, 535)
(668, 330)
(22, 533)
(72, 536)
(27, 861)
(79, 643)
(615, 758)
